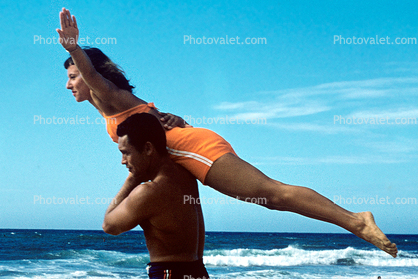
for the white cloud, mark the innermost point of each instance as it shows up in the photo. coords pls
(400, 146)
(343, 160)
(391, 114)
(342, 98)
(311, 127)
(275, 109)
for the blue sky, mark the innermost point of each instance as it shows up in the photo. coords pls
(301, 81)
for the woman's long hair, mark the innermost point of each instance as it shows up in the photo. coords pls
(105, 67)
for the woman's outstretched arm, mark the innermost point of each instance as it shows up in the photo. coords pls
(109, 99)
(104, 90)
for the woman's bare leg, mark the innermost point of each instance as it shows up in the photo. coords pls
(234, 177)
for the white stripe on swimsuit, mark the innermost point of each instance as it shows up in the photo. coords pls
(192, 155)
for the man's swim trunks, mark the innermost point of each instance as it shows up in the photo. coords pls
(193, 148)
(177, 270)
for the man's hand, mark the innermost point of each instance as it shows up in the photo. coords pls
(69, 30)
(171, 121)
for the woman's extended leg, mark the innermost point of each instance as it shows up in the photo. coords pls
(234, 177)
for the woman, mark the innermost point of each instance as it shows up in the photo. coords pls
(206, 155)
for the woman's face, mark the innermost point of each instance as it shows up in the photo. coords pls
(76, 84)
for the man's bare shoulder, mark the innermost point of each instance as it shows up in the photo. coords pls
(149, 196)
(145, 190)
(174, 174)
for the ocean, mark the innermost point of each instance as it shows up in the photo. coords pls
(94, 254)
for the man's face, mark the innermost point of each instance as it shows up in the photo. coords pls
(137, 162)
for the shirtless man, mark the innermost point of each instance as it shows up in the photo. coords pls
(174, 230)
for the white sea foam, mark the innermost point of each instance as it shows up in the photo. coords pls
(292, 256)
(290, 262)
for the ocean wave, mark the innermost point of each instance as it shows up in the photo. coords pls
(109, 258)
(292, 256)
(85, 263)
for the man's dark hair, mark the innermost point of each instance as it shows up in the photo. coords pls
(143, 127)
(105, 67)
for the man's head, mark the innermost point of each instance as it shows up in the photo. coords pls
(141, 138)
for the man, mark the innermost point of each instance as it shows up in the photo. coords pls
(174, 230)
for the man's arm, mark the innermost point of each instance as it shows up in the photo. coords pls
(131, 206)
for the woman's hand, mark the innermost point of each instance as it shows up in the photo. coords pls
(69, 30)
(171, 121)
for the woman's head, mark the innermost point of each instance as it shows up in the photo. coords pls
(76, 84)
(105, 67)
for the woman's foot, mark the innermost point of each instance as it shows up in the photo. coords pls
(370, 232)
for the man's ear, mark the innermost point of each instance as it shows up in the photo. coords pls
(149, 148)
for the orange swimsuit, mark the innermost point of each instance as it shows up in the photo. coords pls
(194, 148)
